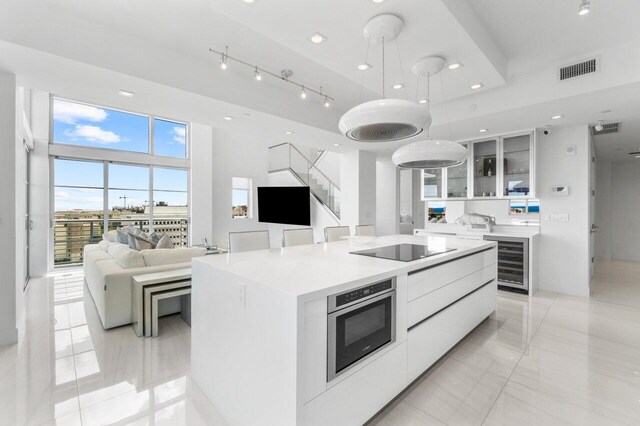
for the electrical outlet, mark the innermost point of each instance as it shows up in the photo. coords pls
(242, 296)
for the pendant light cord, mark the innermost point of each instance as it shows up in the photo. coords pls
(383, 96)
(446, 108)
(406, 94)
(429, 103)
(364, 74)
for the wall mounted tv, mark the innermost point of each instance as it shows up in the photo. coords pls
(289, 205)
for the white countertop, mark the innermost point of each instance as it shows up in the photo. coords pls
(308, 269)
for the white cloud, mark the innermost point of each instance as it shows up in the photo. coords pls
(62, 195)
(93, 134)
(71, 113)
(179, 134)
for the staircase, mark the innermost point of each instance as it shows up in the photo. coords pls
(286, 157)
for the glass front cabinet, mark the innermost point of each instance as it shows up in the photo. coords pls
(497, 167)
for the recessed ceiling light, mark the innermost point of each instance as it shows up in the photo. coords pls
(377, 1)
(228, 118)
(317, 38)
(557, 117)
(476, 86)
(398, 86)
(484, 130)
(125, 93)
(455, 65)
(246, 114)
(637, 156)
(364, 66)
(249, 1)
(288, 132)
(336, 144)
(422, 101)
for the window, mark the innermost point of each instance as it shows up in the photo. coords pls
(78, 208)
(95, 127)
(241, 198)
(91, 126)
(528, 206)
(169, 138)
(436, 211)
(128, 197)
(170, 203)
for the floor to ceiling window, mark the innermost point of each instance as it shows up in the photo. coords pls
(114, 168)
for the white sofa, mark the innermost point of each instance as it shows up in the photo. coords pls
(109, 266)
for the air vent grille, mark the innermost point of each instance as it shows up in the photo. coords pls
(606, 129)
(579, 69)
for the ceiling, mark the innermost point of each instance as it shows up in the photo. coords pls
(89, 50)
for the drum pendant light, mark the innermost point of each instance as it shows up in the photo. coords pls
(384, 120)
(430, 154)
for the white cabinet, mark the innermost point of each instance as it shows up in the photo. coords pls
(498, 167)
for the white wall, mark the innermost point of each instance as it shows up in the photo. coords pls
(358, 188)
(235, 155)
(8, 283)
(564, 246)
(617, 206)
(604, 211)
(201, 202)
(387, 197)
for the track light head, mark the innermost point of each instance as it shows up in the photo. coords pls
(223, 62)
(257, 75)
(327, 104)
(303, 93)
(584, 8)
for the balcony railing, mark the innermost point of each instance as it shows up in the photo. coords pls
(287, 157)
(71, 235)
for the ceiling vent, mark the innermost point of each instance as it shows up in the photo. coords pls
(606, 129)
(579, 69)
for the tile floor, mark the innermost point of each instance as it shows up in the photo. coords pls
(545, 360)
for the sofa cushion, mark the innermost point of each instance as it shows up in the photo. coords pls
(104, 245)
(161, 256)
(125, 257)
(164, 242)
(122, 236)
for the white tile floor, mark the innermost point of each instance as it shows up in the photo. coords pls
(544, 360)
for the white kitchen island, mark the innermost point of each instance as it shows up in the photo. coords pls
(261, 338)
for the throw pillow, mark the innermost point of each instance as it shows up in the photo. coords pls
(140, 242)
(122, 236)
(165, 242)
(155, 237)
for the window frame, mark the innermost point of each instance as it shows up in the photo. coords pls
(249, 189)
(150, 136)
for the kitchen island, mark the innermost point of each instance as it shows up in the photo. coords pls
(314, 334)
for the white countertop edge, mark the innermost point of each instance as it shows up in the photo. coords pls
(334, 258)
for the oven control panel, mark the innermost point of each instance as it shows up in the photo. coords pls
(363, 292)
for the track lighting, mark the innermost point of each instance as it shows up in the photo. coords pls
(283, 76)
(585, 7)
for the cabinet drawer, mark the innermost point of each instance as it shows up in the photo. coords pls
(428, 280)
(431, 339)
(430, 303)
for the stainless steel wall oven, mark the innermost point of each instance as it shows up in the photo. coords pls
(360, 322)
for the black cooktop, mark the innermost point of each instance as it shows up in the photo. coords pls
(402, 252)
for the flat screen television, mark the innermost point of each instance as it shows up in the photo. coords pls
(289, 205)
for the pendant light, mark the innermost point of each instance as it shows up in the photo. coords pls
(430, 154)
(384, 120)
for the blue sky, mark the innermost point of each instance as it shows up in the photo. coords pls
(86, 125)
